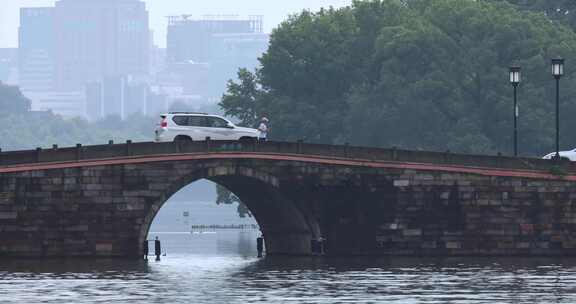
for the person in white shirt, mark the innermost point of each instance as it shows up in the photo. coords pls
(263, 128)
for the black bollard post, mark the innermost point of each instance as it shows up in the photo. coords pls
(129, 148)
(38, 154)
(78, 152)
(317, 246)
(314, 246)
(260, 246)
(146, 250)
(157, 249)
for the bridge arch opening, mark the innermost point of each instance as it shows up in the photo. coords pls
(204, 218)
(286, 229)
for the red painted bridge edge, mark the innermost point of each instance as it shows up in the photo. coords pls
(486, 171)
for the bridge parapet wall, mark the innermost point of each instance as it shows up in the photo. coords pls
(98, 152)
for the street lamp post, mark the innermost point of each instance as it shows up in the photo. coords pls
(557, 72)
(515, 80)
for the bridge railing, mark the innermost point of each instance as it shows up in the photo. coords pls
(445, 158)
(142, 149)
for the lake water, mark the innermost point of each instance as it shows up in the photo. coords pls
(222, 268)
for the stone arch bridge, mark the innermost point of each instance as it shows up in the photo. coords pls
(99, 201)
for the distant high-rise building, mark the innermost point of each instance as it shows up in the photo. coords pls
(36, 49)
(121, 96)
(190, 39)
(157, 60)
(8, 65)
(94, 100)
(229, 52)
(67, 104)
(206, 53)
(97, 39)
(69, 48)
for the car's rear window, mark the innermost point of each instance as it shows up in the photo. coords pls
(180, 120)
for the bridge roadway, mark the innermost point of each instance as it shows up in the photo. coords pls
(100, 200)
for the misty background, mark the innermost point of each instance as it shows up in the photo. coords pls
(274, 12)
(96, 59)
(418, 75)
(87, 71)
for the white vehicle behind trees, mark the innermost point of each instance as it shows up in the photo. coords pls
(568, 155)
(188, 126)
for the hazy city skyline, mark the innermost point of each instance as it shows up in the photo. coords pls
(273, 12)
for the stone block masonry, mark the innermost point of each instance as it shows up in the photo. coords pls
(104, 208)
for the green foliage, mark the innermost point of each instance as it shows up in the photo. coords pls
(415, 74)
(12, 101)
(308, 69)
(558, 10)
(243, 100)
(22, 129)
(30, 130)
(225, 197)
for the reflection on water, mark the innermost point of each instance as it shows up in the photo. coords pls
(213, 243)
(221, 268)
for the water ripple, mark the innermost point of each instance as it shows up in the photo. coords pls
(200, 278)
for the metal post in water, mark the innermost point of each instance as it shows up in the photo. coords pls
(260, 246)
(317, 246)
(146, 250)
(314, 247)
(157, 249)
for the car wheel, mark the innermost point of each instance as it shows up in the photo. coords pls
(247, 140)
(182, 138)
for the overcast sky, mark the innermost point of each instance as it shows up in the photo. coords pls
(274, 12)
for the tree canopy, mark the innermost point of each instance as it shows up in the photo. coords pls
(21, 128)
(558, 10)
(226, 197)
(12, 101)
(416, 74)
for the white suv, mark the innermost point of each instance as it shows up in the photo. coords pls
(187, 126)
(568, 155)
